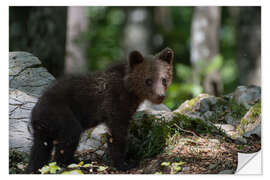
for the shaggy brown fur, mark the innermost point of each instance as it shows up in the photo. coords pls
(74, 104)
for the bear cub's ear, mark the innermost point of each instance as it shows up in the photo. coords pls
(166, 55)
(135, 57)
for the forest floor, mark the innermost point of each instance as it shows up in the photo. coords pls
(190, 154)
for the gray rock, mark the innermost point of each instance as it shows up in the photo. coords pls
(148, 106)
(94, 139)
(256, 130)
(247, 95)
(193, 105)
(227, 128)
(209, 115)
(20, 106)
(240, 140)
(230, 120)
(204, 105)
(251, 122)
(27, 74)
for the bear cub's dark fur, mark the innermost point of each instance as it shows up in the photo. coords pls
(74, 104)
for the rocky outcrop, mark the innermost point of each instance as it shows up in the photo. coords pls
(236, 115)
(251, 122)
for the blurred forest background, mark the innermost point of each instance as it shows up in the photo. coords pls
(216, 48)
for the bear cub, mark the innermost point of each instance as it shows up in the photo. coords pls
(76, 103)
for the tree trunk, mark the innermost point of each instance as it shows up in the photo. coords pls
(41, 31)
(249, 45)
(138, 30)
(205, 46)
(77, 24)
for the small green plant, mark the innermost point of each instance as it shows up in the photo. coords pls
(165, 164)
(52, 168)
(174, 166)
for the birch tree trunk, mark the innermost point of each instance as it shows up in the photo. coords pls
(205, 46)
(138, 30)
(77, 23)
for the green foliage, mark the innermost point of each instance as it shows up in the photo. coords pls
(77, 165)
(16, 159)
(228, 74)
(228, 49)
(178, 37)
(174, 166)
(215, 64)
(179, 92)
(165, 164)
(102, 168)
(52, 168)
(105, 34)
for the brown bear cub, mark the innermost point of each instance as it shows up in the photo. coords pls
(74, 104)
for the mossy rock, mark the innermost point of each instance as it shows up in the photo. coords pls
(150, 133)
(251, 122)
(190, 105)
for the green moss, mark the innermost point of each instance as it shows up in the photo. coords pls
(148, 139)
(194, 124)
(240, 129)
(236, 110)
(192, 102)
(256, 109)
(244, 122)
(153, 136)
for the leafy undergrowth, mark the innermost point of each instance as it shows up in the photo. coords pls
(17, 162)
(186, 153)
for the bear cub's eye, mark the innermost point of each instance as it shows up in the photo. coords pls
(164, 82)
(149, 82)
